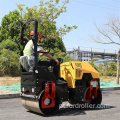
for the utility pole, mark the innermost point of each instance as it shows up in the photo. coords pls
(118, 67)
(115, 55)
(79, 53)
(91, 54)
(104, 54)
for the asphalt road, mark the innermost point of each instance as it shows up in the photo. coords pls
(12, 109)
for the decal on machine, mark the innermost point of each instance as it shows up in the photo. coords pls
(78, 65)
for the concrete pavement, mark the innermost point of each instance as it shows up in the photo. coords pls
(12, 109)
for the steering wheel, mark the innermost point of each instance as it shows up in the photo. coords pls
(53, 53)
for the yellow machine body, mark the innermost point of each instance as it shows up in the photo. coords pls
(74, 70)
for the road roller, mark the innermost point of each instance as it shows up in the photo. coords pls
(43, 92)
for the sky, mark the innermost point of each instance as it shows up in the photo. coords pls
(81, 13)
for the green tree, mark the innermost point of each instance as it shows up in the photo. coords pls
(57, 43)
(10, 27)
(46, 14)
(92, 63)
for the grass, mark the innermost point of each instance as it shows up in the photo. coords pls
(9, 80)
(107, 78)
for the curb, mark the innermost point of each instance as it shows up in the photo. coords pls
(17, 95)
(110, 88)
(8, 96)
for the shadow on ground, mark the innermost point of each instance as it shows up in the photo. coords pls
(74, 111)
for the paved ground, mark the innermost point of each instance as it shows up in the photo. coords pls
(11, 109)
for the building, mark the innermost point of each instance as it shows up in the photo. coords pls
(88, 55)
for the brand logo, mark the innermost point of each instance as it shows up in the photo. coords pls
(78, 65)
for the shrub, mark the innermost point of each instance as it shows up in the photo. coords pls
(112, 66)
(9, 44)
(9, 63)
(108, 73)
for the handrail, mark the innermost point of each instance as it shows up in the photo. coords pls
(35, 39)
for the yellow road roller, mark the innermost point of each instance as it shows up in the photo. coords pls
(43, 90)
